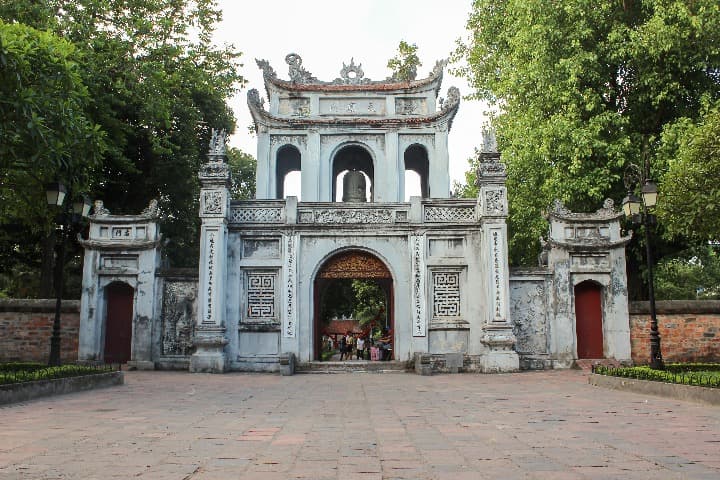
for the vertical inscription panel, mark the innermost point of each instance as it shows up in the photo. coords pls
(417, 248)
(290, 268)
(497, 242)
(211, 239)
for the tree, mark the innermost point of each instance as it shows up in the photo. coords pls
(46, 134)
(583, 88)
(691, 275)
(690, 201)
(404, 65)
(242, 167)
(156, 87)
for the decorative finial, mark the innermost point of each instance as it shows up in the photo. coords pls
(218, 139)
(99, 209)
(151, 210)
(489, 142)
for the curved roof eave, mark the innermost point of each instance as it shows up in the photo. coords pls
(263, 117)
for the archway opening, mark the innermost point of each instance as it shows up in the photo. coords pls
(118, 322)
(416, 160)
(287, 161)
(352, 157)
(353, 308)
(588, 320)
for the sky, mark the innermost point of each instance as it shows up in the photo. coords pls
(326, 33)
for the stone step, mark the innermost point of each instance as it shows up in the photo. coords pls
(352, 366)
(586, 364)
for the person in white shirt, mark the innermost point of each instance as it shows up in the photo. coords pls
(360, 348)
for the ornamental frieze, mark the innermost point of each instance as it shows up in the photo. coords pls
(297, 140)
(347, 216)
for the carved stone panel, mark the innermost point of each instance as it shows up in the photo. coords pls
(494, 202)
(528, 313)
(446, 294)
(296, 107)
(449, 214)
(211, 262)
(212, 202)
(256, 215)
(354, 264)
(346, 215)
(297, 140)
(261, 248)
(411, 106)
(179, 305)
(352, 106)
(260, 296)
(128, 262)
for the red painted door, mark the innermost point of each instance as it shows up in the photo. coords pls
(118, 322)
(588, 320)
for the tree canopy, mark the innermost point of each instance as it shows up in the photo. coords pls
(139, 87)
(582, 89)
(404, 65)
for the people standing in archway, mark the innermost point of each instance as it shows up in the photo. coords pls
(343, 348)
(360, 348)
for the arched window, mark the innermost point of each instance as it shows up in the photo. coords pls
(287, 161)
(352, 157)
(417, 162)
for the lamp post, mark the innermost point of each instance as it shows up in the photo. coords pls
(69, 214)
(631, 207)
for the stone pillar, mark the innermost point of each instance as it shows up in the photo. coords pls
(210, 339)
(497, 333)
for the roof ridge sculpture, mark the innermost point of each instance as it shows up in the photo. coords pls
(351, 77)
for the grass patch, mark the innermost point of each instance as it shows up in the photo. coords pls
(697, 374)
(30, 372)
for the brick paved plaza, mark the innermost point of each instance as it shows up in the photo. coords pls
(546, 425)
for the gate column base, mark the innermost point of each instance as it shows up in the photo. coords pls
(210, 354)
(501, 357)
(140, 365)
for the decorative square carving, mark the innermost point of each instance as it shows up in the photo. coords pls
(446, 294)
(260, 296)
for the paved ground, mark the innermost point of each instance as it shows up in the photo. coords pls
(547, 425)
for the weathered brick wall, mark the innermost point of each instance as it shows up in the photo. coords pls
(689, 330)
(26, 328)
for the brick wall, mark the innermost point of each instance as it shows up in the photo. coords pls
(26, 328)
(689, 331)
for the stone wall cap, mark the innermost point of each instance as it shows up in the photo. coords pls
(40, 305)
(676, 307)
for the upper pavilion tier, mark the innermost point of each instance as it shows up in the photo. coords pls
(351, 99)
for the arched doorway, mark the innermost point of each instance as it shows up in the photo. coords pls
(348, 273)
(118, 322)
(352, 157)
(588, 320)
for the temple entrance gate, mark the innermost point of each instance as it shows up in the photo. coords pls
(351, 265)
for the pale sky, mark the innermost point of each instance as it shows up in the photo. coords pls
(326, 33)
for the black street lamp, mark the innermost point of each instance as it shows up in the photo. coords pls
(69, 214)
(631, 207)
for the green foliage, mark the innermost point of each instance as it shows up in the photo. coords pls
(404, 65)
(692, 275)
(362, 300)
(242, 167)
(117, 99)
(675, 373)
(21, 373)
(369, 301)
(690, 202)
(584, 88)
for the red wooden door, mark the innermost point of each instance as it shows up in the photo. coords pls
(588, 320)
(118, 322)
